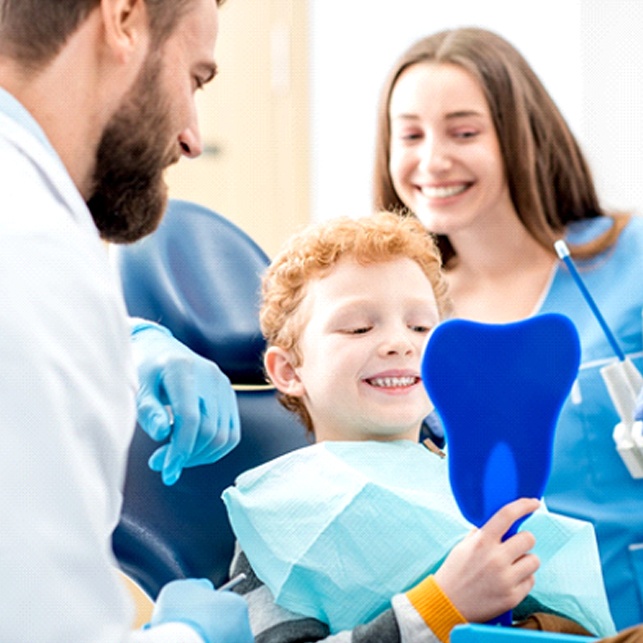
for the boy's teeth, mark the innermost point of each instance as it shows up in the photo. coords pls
(443, 192)
(393, 382)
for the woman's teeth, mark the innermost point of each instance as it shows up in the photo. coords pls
(443, 192)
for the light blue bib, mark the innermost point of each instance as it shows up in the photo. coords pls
(336, 529)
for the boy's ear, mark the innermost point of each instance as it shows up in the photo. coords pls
(282, 372)
(126, 26)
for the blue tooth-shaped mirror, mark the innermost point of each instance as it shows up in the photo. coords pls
(498, 390)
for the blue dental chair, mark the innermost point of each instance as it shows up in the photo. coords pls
(166, 533)
(198, 275)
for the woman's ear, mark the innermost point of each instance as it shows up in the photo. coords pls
(280, 367)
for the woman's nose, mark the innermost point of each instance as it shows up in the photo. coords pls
(435, 155)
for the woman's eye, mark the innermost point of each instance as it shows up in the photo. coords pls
(406, 135)
(411, 136)
(468, 133)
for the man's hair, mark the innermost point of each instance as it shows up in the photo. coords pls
(32, 32)
(312, 253)
(548, 177)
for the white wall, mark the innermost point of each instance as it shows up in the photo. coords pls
(612, 114)
(588, 53)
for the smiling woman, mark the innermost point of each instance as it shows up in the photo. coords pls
(471, 143)
(445, 158)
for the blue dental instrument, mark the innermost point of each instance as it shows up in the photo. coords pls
(563, 252)
(623, 381)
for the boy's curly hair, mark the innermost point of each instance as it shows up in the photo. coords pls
(313, 252)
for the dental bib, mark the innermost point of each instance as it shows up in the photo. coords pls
(336, 529)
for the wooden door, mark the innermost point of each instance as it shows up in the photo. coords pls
(254, 119)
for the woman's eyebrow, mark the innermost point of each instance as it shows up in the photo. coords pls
(464, 113)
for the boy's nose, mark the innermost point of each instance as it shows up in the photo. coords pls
(398, 344)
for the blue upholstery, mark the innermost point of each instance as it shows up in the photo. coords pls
(198, 274)
(183, 531)
(495, 634)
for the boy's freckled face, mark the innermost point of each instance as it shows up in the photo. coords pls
(361, 347)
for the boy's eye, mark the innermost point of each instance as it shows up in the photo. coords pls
(360, 330)
(420, 329)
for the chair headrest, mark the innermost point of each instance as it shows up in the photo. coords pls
(198, 275)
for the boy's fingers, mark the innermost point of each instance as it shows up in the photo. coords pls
(527, 566)
(518, 545)
(498, 525)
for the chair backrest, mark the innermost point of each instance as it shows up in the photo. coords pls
(198, 274)
(183, 531)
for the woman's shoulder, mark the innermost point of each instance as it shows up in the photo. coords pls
(635, 223)
(618, 232)
(631, 237)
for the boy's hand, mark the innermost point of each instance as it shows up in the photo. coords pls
(484, 576)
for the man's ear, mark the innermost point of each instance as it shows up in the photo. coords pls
(282, 372)
(126, 24)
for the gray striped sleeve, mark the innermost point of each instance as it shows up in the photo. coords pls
(273, 624)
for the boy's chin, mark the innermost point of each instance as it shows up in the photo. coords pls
(392, 433)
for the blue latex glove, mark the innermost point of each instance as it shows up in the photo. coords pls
(218, 617)
(638, 407)
(203, 420)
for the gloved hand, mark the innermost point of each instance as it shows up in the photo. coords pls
(218, 617)
(203, 418)
(638, 407)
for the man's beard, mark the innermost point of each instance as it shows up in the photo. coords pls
(129, 194)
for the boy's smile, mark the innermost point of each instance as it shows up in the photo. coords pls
(391, 382)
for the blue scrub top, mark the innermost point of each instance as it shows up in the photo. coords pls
(589, 479)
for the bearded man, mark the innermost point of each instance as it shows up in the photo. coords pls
(96, 100)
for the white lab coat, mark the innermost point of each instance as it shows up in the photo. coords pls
(67, 406)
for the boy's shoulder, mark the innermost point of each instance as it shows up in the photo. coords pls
(396, 463)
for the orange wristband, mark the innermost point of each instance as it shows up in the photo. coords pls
(435, 608)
